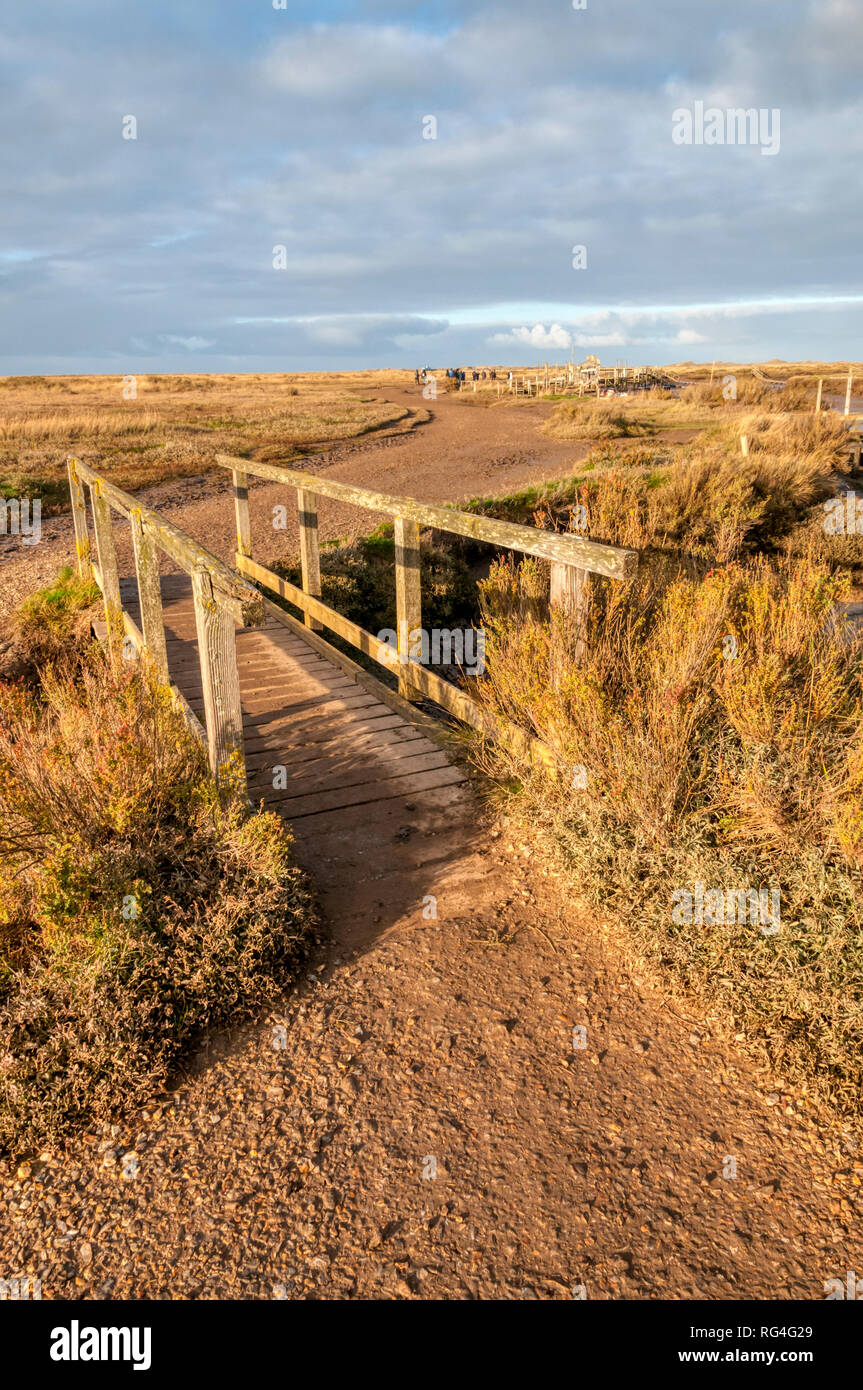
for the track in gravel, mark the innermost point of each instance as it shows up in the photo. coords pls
(431, 1129)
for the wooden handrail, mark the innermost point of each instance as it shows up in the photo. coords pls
(221, 599)
(612, 561)
(572, 558)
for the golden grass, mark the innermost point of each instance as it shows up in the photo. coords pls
(174, 425)
(712, 735)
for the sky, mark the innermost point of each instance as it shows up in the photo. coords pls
(347, 185)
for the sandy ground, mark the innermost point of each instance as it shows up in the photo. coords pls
(498, 1102)
(463, 451)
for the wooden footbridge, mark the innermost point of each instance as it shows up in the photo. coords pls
(279, 708)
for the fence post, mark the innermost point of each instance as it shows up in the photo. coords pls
(79, 520)
(107, 566)
(241, 508)
(744, 445)
(570, 595)
(818, 397)
(150, 595)
(223, 712)
(848, 395)
(310, 556)
(408, 596)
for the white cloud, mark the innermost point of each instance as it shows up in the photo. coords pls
(538, 337)
(191, 344)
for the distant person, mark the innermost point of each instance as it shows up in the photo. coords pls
(416, 376)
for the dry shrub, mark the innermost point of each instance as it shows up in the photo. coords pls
(50, 626)
(135, 909)
(604, 418)
(718, 723)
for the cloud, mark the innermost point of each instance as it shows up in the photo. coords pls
(303, 128)
(192, 344)
(553, 337)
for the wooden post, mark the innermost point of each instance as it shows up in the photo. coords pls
(744, 445)
(818, 397)
(79, 520)
(217, 652)
(310, 556)
(241, 508)
(108, 567)
(848, 395)
(408, 596)
(150, 595)
(570, 593)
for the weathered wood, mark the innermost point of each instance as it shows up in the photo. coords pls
(150, 595)
(369, 682)
(241, 509)
(79, 521)
(310, 556)
(408, 599)
(221, 682)
(109, 578)
(818, 397)
(570, 596)
(744, 445)
(239, 598)
(610, 560)
(848, 394)
(448, 696)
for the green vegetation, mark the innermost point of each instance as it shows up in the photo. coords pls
(136, 908)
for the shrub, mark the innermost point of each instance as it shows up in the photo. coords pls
(717, 722)
(135, 909)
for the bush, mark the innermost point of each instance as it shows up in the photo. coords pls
(715, 728)
(51, 626)
(135, 909)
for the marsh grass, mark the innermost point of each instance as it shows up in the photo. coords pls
(743, 770)
(136, 907)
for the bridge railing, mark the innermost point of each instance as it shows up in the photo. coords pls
(221, 598)
(572, 559)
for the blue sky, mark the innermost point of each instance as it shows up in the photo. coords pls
(302, 128)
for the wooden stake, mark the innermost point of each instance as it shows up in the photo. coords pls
(570, 593)
(744, 445)
(110, 578)
(150, 595)
(79, 520)
(310, 557)
(408, 596)
(241, 509)
(818, 397)
(848, 395)
(217, 652)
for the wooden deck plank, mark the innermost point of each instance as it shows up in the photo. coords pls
(342, 747)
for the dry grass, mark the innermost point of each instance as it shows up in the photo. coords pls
(717, 722)
(135, 908)
(175, 425)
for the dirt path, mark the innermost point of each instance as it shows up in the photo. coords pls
(474, 1093)
(430, 1131)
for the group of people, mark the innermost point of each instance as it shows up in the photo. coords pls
(458, 374)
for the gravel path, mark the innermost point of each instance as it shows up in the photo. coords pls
(429, 1130)
(495, 1103)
